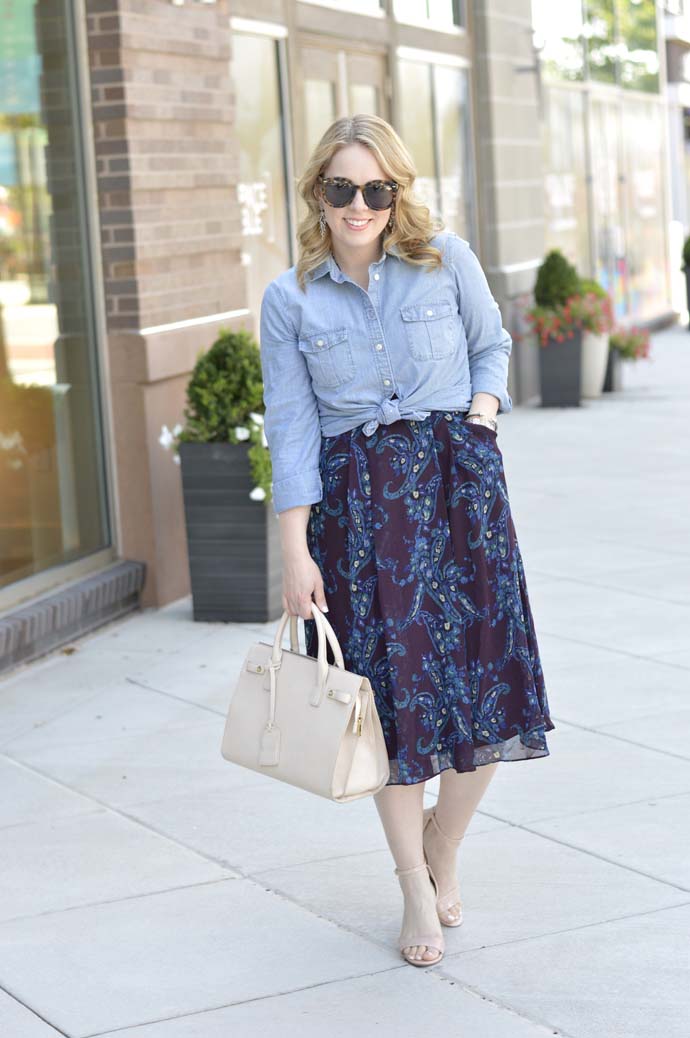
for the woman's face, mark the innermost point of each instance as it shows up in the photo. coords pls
(358, 164)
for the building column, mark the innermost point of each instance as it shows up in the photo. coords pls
(510, 171)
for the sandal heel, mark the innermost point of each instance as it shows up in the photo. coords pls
(451, 897)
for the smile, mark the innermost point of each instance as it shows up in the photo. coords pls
(357, 224)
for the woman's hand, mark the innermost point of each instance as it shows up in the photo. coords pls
(301, 579)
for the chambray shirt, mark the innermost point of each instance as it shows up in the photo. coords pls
(336, 357)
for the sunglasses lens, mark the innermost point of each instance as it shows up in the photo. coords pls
(378, 196)
(339, 193)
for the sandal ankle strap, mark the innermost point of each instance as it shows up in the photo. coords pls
(450, 839)
(413, 868)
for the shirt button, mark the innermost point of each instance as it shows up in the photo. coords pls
(319, 342)
(376, 277)
(379, 345)
(430, 313)
(386, 382)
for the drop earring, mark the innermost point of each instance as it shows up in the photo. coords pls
(322, 223)
(391, 221)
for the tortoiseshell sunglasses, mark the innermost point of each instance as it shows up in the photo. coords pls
(339, 192)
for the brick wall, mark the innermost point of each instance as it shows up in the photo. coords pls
(166, 162)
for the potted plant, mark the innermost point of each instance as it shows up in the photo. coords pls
(556, 318)
(233, 536)
(686, 268)
(624, 344)
(597, 322)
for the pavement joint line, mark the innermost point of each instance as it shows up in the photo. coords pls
(116, 900)
(249, 1001)
(176, 698)
(621, 738)
(576, 814)
(568, 930)
(34, 1012)
(119, 811)
(595, 854)
(223, 863)
(432, 975)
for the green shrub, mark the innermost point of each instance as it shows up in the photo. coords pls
(557, 280)
(225, 385)
(225, 405)
(589, 285)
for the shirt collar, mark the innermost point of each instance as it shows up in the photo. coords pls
(329, 266)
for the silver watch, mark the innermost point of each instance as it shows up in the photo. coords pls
(479, 418)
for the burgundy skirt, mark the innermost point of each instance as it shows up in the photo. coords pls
(426, 592)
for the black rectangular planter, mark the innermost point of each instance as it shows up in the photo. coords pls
(233, 542)
(560, 371)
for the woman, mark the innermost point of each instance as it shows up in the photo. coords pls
(385, 362)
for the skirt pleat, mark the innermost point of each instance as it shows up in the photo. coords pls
(427, 595)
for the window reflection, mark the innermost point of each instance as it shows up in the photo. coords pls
(319, 109)
(52, 483)
(600, 34)
(565, 176)
(639, 58)
(435, 126)
(559, 29)
(438, 12)
(261, 189)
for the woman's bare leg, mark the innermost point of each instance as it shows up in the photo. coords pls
(458, 798)
(400, 809)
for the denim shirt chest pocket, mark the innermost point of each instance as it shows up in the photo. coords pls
(328, 355)
(431, 329)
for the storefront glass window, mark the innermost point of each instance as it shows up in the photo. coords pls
(435, 126)
(261, 189)
(417, 128)
(639, 56)
(356, 6)
(565, 175)
(559, 34)
(600, 34)
(53, 506)
(644, 194)
(436, 13)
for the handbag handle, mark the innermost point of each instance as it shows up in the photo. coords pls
(324, 632)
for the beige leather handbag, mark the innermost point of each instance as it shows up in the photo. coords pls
(307, 722)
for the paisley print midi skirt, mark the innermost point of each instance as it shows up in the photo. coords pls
(426, 592)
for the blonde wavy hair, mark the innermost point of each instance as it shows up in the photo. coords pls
(413, 224)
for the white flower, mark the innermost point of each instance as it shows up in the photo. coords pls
(177, 429)
(258, 494)
(242, 432)
(263, 438)
(166, 438)
(256, 417)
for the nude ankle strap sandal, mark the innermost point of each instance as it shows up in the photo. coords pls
(408, 878)
(451, 897)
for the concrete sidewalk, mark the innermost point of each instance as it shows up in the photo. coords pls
(152, 890)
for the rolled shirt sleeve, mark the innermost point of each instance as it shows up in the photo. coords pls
(488, 343)
(291, 417)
